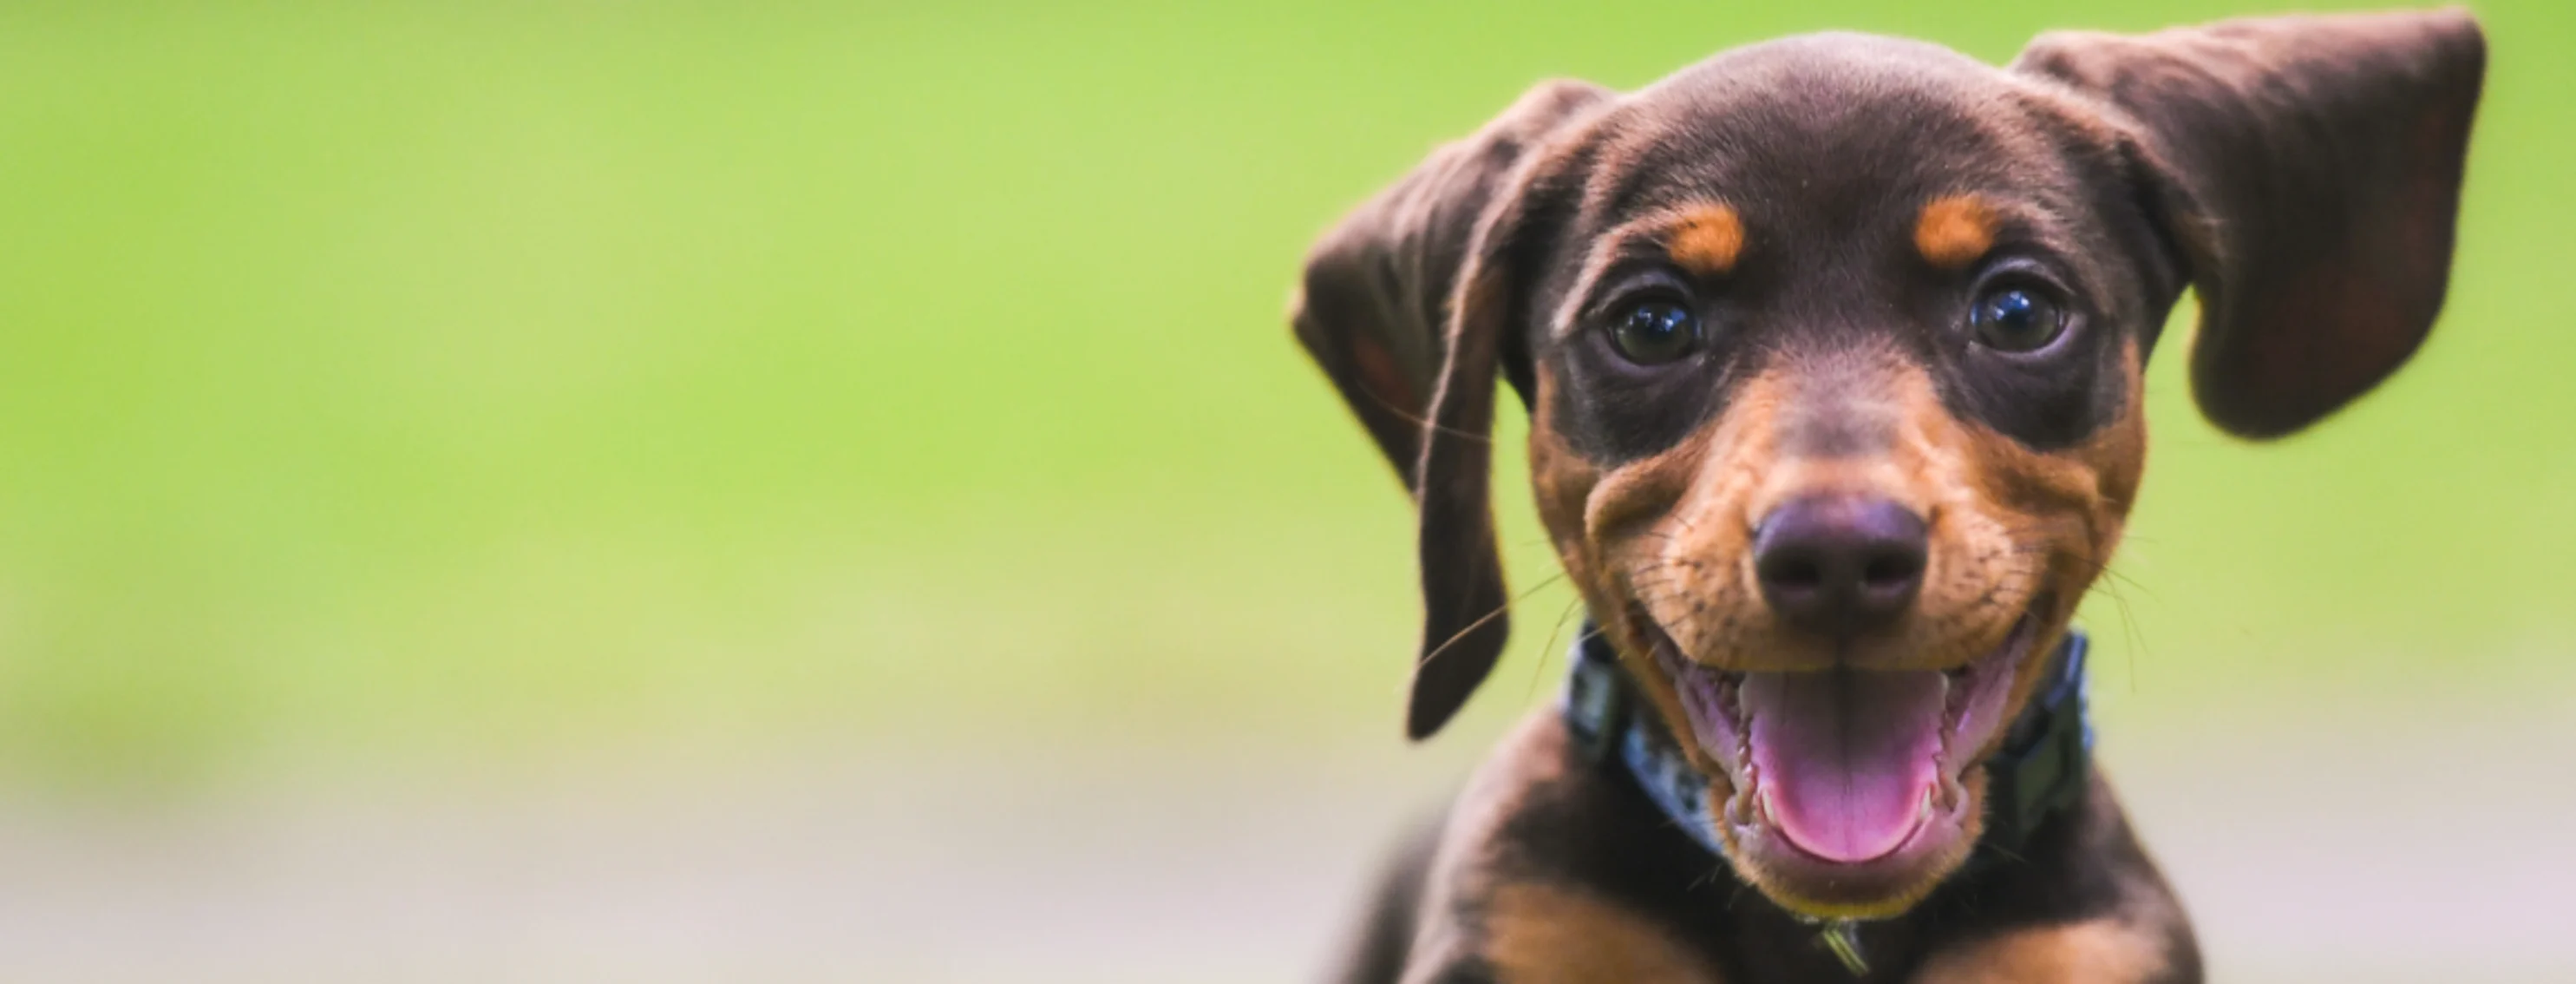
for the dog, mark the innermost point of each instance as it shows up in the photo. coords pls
(1831, 349)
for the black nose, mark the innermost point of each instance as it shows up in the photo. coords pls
(1840, 565)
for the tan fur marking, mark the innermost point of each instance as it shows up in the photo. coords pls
(2099, 952)
(1955, 231)
(1561, 480)
(1708, 240)
(1537, 934)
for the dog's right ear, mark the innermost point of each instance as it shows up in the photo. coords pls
(1405, 305)
(2308, 169)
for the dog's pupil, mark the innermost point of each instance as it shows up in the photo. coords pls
(2016, 320)
(2012, 312)
(1656, 332)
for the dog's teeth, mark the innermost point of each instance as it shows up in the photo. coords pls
(1925, 814)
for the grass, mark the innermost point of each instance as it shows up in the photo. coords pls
(468, 382)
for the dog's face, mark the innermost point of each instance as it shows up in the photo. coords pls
(1837, 419)
(1832, 351)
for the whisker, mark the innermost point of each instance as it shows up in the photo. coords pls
(1418, 420)
(1480, 622)
(1537, 673)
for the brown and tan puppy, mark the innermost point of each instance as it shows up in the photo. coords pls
(1831, 349)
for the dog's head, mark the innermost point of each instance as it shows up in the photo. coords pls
(1831, 348)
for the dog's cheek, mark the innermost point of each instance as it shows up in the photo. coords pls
(1569, 491)
(1606, 525)
(2078, 499)
(2067, 510)
(1977, 585)
(2072, 503)
(1678, 529)
(1561, 481)
(2118, 459)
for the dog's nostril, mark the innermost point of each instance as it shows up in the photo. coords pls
(1840, 564)
(1795, 572)
(1892, 570)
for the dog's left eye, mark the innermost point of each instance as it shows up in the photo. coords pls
(1656, 332)
(2017, 319)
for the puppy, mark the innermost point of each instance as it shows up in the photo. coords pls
(1831, 350)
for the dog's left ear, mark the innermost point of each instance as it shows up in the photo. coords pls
(2308, 169)
(1410, 305)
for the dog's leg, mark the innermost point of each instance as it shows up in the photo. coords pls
(1540, 934)
(2098, 951)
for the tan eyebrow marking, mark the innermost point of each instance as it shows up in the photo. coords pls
(1955, 230)
(1706, 240)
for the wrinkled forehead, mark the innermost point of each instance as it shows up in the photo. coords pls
(1816, 143)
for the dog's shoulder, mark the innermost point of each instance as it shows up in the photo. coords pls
(1548, 868)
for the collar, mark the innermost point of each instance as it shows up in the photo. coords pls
(2040, 769)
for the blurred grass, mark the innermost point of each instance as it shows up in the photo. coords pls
(462, 382)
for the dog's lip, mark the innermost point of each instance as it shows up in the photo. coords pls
(1974, 697)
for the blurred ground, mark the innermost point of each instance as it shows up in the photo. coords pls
(1151, 865)
(565, 489)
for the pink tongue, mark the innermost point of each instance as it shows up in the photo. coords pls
(1846, 756)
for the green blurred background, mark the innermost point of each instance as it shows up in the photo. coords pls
(422, 409)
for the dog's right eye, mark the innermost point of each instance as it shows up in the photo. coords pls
(1655, 332)
(2017, 319)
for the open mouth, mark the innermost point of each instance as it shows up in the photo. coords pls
(1849, 767)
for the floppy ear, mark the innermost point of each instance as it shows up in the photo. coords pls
(2309, 171)
(1405, 305)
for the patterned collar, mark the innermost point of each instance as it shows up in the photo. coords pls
(2041, 768)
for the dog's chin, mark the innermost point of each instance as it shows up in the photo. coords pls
(1853, 793)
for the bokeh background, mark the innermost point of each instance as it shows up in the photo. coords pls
(793, 491)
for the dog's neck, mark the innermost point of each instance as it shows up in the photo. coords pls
(2040, 770)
